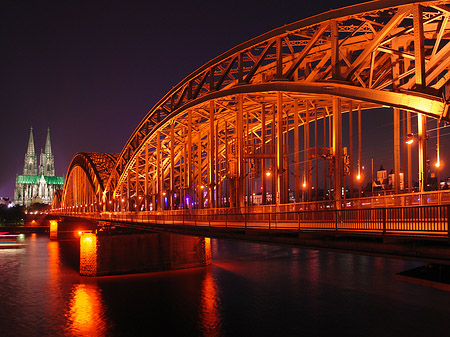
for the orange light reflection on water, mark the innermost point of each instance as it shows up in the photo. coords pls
(86, 316)
(211, 321)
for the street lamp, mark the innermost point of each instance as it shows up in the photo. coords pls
(410, 138)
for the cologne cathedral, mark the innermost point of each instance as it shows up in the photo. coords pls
(32, 187)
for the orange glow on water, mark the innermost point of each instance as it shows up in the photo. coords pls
(210, 319)
(86, 313)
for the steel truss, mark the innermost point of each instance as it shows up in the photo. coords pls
(232, 122)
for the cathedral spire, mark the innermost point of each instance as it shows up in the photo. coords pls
(30, 150)
(48, 145)
(30, 165)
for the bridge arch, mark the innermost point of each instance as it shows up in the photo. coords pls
(229, 123)
(85, 181)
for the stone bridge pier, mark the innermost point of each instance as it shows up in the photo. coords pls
(107, 253)
(105, 250)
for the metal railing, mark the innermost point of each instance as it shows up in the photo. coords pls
(431, 221)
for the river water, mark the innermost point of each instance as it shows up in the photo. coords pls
(249, 290)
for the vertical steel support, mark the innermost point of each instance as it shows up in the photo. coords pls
(306, 165)
(216, 166)
(359, 151)
(199, 170)
(335, 67)
(279, 57)
(316, 160)
(158, 172)
(337, 151)
(330, 146)
(286, 159)
(438, 159)
(404, 147)
(324, 159)
(280, 153)
(146, 179)
(240, 68)
(211, 154)
(137, 194)
(263, 151)
(240, 151)
(397, 150)
(274, 161)
(296, 154)
(129, 208)
(189, 156)
(227, 194)
(419, 63)
(419, 52)
(422, 131)
(397, 147)
(350, 153)
(172, 166)
(408, 130)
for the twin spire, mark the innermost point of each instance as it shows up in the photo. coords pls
(47, 164)
(30, 150)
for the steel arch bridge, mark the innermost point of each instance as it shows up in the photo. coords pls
(238, 120)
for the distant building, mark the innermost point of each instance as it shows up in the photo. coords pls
(385, 181)
(33, 187)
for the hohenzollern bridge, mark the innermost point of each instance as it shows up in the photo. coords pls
(254, 138)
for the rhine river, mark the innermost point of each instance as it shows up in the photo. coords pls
(249, 290)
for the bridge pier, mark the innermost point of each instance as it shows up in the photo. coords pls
(69, 228)
(53, 230)
(106, 254)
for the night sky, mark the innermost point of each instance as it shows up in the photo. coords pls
(91, 70)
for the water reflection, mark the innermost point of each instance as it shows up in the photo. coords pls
(86, 316)
(210, 320)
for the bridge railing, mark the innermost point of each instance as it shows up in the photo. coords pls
(432, 221)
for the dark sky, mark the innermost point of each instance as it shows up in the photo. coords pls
(91, 70)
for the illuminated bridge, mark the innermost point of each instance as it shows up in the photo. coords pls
(251, 145)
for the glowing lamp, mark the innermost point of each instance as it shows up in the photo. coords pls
(409, 138)
(358, 177)
(268, 174)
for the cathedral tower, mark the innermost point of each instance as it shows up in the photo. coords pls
(30, 166)
(31, 187)
(47, 160)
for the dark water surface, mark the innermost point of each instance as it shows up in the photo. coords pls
(250, 290)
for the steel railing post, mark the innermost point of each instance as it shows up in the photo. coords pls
(336, 212)
(384, 220)
(448, 221)
(226, 220)
(245, 220)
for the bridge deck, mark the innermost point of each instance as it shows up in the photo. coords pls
(427, 222)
